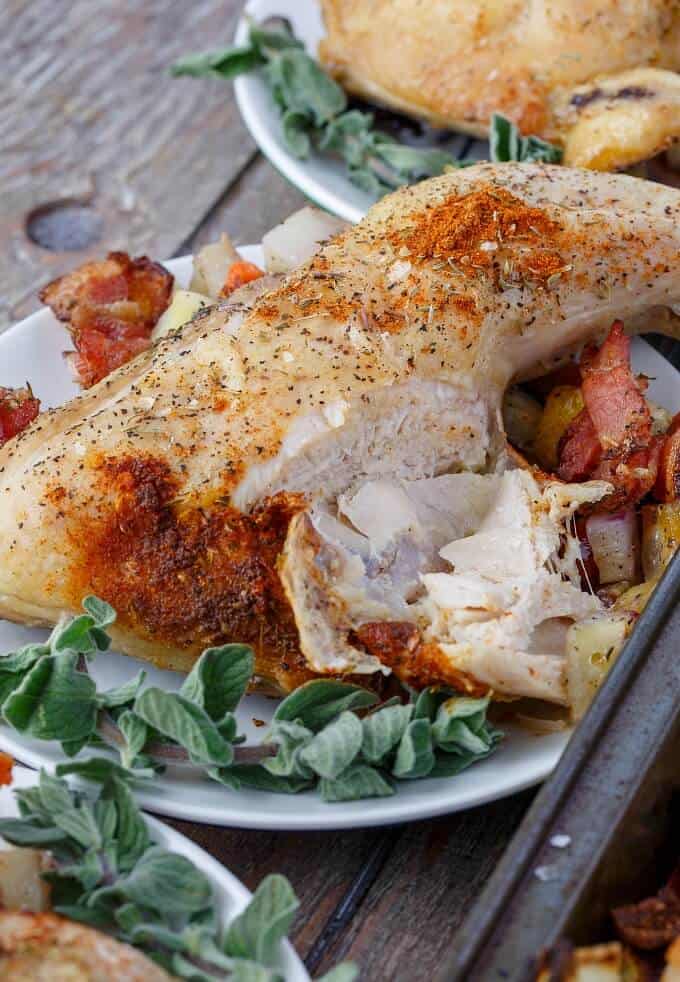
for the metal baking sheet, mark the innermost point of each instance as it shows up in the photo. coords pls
(601, 829)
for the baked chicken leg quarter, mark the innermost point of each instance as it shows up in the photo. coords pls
(322, 472)
(600, 77)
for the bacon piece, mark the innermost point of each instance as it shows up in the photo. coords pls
(18, 408)
(239, 274)
(612, 394)
(111, 308)
(667, 487)
(579, 450)
(654, 922)
(611, 440)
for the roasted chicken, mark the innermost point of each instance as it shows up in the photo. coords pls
(597, 76)
(49, 948)
(318, 466)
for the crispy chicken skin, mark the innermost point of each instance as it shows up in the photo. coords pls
(180, 487)
(49, 948)
(598, 76)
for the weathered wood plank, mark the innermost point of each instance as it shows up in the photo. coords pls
(257, 201)
(89, 112)
(434, 872)
(322, 866)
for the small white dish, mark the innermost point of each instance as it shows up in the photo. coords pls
(320, 177)
(231, 896)
(32, 350)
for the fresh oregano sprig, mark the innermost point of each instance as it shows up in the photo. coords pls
(107, 872)
(329, 735)
(315, 114)
(506, 143)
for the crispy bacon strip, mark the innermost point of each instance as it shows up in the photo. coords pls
(18, 408)
(579, 450)
(612, 438)
(612, 395)
(111, 308)
(655, 921)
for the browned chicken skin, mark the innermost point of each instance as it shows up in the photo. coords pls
(180, 488)
(597, 76)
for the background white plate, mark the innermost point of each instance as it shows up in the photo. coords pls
(231, 895)
(320, 177)
(32, 350)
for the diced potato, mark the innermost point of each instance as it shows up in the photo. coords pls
(634, 601)
(592, 647)
(183, 306)
(660, 536)
(21, 885)
(521, 416)
(211, 265)
(671, 973)
(562, 407)
(610, 962)
(293, 242)
(598, 963)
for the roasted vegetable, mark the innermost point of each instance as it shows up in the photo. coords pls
(615, 542)
(592, 647)
(667, 487)
(293, 242)
(611, 962)
(634, 600)
(521, 416)
(660, 536)
(211, 265)
(671, 972)
(562, 407)
(183, 306)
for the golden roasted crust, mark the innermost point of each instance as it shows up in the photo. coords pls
(49, 948)
(138, 490)
(598, 76)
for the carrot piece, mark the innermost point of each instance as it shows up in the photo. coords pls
(239, 274)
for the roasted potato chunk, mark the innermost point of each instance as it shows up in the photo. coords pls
(562, 407)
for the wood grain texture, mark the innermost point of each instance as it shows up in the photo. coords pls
(89, 112)
(322, 866)
(432, 876)
(257, 201)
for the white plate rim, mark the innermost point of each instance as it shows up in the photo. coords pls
(226, 883)
(431, 797)
(246, 90)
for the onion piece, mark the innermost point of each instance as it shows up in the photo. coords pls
(299, 237)
(211, 265)
(615, 541)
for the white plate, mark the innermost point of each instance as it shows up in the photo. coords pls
(32, 350)
(231, 895)
(320, 177)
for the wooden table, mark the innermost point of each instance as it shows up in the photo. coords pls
(98, 140)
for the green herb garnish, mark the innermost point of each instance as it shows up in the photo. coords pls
(317, 738)
(506, 143)
(107, 872)
(315, 115)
